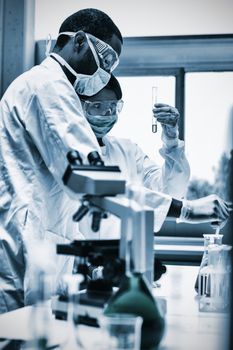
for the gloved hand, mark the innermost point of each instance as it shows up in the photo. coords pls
(168, 117)
(207, 209)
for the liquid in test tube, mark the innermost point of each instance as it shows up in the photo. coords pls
(217, 230)
(154, 100)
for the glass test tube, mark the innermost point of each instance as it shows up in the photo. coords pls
(154, 100)
(217, 231)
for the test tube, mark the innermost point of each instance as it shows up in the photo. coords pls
(217, 236)
(154, 100)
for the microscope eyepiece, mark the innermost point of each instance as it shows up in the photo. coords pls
(94, 158)
(74, 158)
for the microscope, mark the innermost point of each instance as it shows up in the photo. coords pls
(103, 191)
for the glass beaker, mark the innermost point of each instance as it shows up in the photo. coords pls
(41, 315)
(121, 331)
(216, 290)
(208, 240)
(73, 341)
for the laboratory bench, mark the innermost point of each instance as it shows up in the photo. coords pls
(179, 250)
(186, 327)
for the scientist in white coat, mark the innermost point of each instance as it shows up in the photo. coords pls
(164, 187)
(41, 119)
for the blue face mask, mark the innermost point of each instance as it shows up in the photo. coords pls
(101, 124)
(90, 85)
(84, 84)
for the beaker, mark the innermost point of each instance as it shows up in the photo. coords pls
(208, 239)
(121, 331)
(41, 315)
(73, 340)
(216, 290)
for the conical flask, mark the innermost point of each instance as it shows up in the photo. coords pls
(208, 240)
(134, 295)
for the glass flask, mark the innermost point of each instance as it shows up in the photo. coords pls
(134, 295)
(215, 294)
(208, 240)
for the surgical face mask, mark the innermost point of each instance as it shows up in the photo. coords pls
(102, 115)
(101, 124)
(104, 55)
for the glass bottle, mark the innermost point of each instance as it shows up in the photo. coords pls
(134, 295)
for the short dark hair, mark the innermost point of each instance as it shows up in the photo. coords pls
(91, 21)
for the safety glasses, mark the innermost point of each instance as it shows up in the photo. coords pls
(106, 107)
(107, 57)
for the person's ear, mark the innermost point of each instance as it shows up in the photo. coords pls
(79, 40)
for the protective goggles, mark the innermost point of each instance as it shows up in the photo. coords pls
(107, 107)
(107, 57)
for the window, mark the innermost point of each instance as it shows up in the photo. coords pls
(208, 131)
(201, 71)
(136, 117)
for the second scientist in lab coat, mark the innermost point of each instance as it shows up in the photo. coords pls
(164, 187)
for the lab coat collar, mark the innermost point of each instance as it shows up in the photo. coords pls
(70, 76)
(53, 65)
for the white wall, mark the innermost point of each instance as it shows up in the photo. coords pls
(143, 17)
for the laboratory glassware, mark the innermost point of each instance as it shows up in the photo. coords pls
(121, 331)
(208, 239)
(41, 314)
(41, 270)
(73, 340)
(154, 100)
(215, 292)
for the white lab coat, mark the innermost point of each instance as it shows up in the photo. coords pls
(41, 118)
(160, 183)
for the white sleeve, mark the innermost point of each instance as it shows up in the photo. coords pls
(56, 124)
(175, 171)
(172, 178)
(163, 183)
(160, 202)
